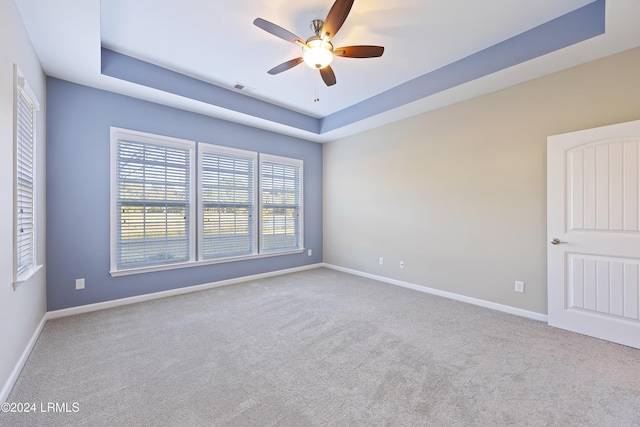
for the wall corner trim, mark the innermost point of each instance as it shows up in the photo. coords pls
(11, 381)
(475, 301)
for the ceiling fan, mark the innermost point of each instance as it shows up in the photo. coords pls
(318, 50)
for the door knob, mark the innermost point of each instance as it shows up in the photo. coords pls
(556, 241)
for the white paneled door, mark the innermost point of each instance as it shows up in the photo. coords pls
(593, 223)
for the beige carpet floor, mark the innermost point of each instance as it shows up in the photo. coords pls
(321, 348)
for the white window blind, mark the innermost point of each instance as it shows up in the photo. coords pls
(26, 107)
(227, 195)
(171, 208)
(153, 202)
(281, 203)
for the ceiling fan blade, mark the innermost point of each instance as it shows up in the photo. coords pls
(359, 51)
(335, 18)
(277, 31)
(285, 66)
(328, 75)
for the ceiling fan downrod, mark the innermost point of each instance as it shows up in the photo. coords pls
(316, 26)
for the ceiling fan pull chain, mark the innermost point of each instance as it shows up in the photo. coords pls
(316, 98)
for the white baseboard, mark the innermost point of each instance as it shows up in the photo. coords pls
(475, 301)
(8, 386)
(4, 394)
(172, 292)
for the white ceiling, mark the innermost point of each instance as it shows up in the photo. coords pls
(215, 41)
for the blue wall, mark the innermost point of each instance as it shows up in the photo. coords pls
(78, 185)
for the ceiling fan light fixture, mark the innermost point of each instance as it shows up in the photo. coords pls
(318, 54)
(318, 51)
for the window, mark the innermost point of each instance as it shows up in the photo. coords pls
(227, 197)
(26, 106)
(153, 200)
(281, 196)
(247, 204)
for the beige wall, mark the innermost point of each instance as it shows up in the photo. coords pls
(22, 310)
(459, 193)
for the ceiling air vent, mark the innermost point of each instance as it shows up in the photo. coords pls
(243, 87)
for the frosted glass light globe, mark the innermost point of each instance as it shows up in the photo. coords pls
(317, 55)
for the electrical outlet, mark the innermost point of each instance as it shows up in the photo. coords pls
(309, 252)
(401, 264)
(381, 261)
(519, 286)
(79, 284)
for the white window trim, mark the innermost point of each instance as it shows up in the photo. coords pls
(196, 211)
(147, 138)
(234, 152)
(287, 161)
(178, 265)
(22, 88)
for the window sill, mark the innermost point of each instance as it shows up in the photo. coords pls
(25, 276)
(163, 267)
